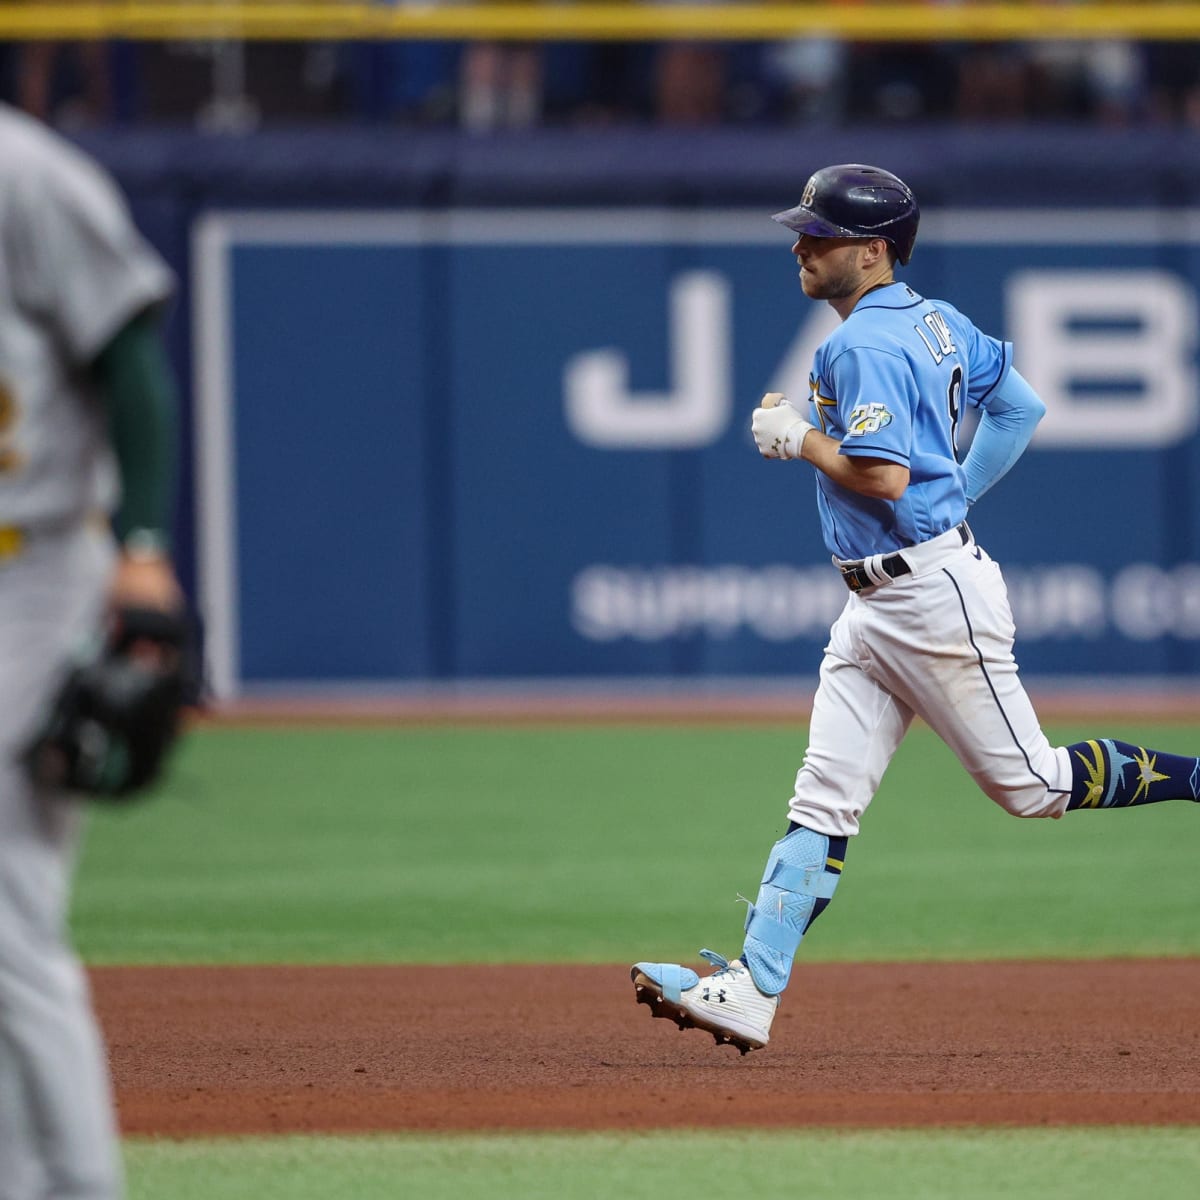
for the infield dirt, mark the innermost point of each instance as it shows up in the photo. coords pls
(205, 1050)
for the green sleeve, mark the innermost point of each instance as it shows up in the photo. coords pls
(139, 393)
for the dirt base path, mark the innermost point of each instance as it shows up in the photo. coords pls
(202, 1050)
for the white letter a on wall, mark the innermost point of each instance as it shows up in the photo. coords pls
(601, 410)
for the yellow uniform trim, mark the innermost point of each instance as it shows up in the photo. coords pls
(12, 541)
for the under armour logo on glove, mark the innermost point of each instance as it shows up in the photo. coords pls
(778, 429)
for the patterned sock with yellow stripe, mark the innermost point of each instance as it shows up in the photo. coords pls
(1109, 774)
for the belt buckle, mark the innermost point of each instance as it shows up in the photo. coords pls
(853, 575)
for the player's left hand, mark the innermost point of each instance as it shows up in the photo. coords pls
(779, 431)
(109, 729)
(145, 581)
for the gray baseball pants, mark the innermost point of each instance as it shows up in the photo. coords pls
(58, 1136)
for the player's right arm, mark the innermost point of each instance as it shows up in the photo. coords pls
(781, 432)
(879, 478)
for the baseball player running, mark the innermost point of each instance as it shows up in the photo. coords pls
(82, 374)
(926, 630)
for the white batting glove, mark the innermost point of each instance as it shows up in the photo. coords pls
(778, 428)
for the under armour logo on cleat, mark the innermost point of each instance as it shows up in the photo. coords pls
(708, 996)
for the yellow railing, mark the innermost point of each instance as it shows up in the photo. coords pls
(864, 21)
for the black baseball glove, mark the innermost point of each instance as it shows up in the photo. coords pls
(117, 714)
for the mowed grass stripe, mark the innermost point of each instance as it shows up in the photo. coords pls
(1066, 1164)
(600, 844)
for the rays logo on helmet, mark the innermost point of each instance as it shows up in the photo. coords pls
(868, 418)
(857, 200)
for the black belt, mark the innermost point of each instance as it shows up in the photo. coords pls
(894, 565)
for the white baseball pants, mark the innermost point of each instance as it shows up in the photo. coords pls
(938, 644)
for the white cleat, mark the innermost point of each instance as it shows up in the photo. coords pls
(726, 1004)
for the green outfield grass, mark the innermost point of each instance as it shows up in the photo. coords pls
(1069, 1164)
(604, 845)
(600, 844)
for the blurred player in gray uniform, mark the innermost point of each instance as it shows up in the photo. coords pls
(87, 432)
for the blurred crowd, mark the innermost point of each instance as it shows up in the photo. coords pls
(489, 86)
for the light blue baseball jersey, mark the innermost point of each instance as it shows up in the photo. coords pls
(890, 383)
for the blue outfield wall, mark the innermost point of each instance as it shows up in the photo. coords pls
(469, 409)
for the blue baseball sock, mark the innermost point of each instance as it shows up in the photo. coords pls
(800, 878)
(1109, 774)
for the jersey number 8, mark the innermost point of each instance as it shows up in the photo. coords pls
(953, 398)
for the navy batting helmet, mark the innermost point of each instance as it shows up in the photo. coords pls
(853, 200)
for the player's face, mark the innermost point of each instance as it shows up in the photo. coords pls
(829, 267)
